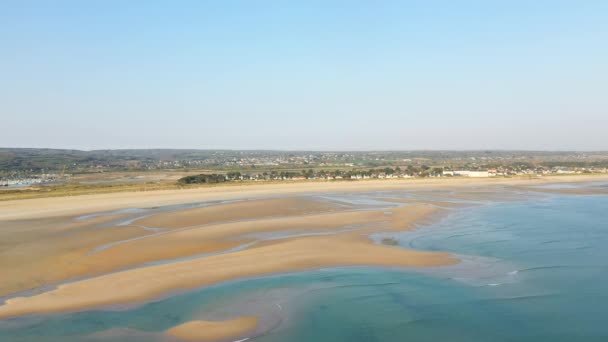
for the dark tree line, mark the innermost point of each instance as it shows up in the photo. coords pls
(198, 179)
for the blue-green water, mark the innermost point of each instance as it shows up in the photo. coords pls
(534, 271)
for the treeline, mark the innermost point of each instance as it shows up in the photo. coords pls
(387, 172)
(200, 179)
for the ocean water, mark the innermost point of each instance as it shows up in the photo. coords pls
(532, 270)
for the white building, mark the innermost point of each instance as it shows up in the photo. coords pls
(475, 174)
(479, 174)
(463, 173)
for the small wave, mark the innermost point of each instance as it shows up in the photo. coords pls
(494, 284)
(464, 234)
(459, 278)
(513, 272)
(357, 285)
(493, 242)
(550, 242)
(521, 298)
(539, 268)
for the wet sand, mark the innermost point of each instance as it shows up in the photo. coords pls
(34, 253)
(60, 261)
(39, 252)
(275, 256)
(236, 211)
(205, 331)
(225, 236)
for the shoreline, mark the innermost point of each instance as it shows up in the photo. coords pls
(83, 204)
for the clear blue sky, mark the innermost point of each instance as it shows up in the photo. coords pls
(310, 75)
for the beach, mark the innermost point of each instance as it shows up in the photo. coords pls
(74, 205)
(116, 250)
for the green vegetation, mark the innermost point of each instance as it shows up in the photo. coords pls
(390, 242)
(76, 189)
(203, 179)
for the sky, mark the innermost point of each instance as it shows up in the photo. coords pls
(304, 75)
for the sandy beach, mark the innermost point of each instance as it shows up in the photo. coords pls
(78, 264)
(62, 206)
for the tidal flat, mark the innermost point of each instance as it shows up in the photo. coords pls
(383, 264)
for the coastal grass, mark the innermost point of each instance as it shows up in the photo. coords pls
(77, 189)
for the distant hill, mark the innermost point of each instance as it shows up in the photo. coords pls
(49, 160)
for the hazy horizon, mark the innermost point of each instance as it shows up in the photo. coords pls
(301, 150)
(338, 76)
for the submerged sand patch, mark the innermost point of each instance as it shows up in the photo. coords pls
(204, 331)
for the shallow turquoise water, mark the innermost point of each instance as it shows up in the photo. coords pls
(534, 271)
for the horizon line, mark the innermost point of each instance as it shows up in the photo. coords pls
(302, 150)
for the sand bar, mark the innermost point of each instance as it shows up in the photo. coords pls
(247, 209)
(37, 252)
(205, 331)
(270, 257)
